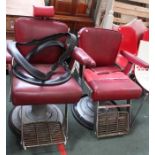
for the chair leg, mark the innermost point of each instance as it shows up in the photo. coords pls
(138, 110)
(22, 139)
(129, 111)
(66, 122)
(96, 117)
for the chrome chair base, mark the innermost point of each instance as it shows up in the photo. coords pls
(31, 114)
(84, 112)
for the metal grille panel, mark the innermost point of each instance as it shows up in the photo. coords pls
(42, 133)
(112, 123)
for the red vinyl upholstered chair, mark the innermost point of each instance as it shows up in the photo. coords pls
(132, 33)
(35, 114)
(106, 81)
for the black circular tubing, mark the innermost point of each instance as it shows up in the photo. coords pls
(37, 77)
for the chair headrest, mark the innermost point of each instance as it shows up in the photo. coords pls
(43, 11)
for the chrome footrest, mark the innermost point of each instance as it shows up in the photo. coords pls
(42, 134)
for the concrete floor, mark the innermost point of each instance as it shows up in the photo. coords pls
(83, 142)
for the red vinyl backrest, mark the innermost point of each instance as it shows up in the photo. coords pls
(101, 44)
(139, 27)
(146, 35)
(28, 29)
(129, 39)
(43, 11)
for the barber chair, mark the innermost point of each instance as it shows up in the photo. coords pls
(132, 33)
(142, 74)
(105, 84)
(35, 114)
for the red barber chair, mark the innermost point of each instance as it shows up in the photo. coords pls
(35, 116)
(105, 83)
(132, 33)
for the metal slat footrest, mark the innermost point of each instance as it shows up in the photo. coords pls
(42, 134)
(112, 120)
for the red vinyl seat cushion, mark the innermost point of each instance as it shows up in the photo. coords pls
(106, 69)
(111, 85)
(24, 93)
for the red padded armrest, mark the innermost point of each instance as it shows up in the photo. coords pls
(134, 59)
(83, 58)
(43, 11)
(8, 56)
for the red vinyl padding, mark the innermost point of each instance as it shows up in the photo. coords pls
(101, 44)
(132, 33)
(135, 60)
(112, 86)
(8, 56)
(146, 36)
(139, 28)
(83, 58)
(24, 93)
(45, 11)
(28, 29)
(106, 80)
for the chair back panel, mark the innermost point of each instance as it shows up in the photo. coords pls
(101, 44)
(28, 29)
(146, 35)
(129, 39)
(139, 27)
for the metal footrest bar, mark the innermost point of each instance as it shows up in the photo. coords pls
(42, 134)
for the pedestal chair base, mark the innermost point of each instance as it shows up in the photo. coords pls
(39, 125)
